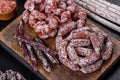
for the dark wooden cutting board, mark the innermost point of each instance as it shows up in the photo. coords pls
(59, 72)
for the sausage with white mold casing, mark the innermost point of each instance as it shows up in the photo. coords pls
(78, 49)
(81, 29)
(83, 51)
(101, 36)
(78, 35)
(70, 64)
(62, 48)
(92, 68)
(62, 5)
(53, 33)
(41, 6)
(11, 75)
(80, 23)
(108, 52)
(80, 42)
(25, 16)
(51, 5)
(20, 31)
(58, 40)
(41, 57)
(37, 1)
(3, 76)
(38, 15)
(95, 42)
(0, 72)
(32, 58)
(63, 56)
(19, 76)
(65, 16)
(52, 21)
(29, 5)
(66, 28)
(58, 11)
(89, 60)
(72, 54)
(32, 21)
(81, 14)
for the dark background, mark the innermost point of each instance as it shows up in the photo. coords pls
(8, 61)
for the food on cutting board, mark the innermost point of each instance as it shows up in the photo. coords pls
(47, 17)
(79, 47)
(84, 49)
(7, 9)
(35, 47)
(11, 75)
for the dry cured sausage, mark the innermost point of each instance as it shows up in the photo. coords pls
(11, 75)
(82, 49)
(92, 68)
(58, 15)
(79, 47)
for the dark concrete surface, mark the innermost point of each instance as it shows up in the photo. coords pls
(117, 2)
